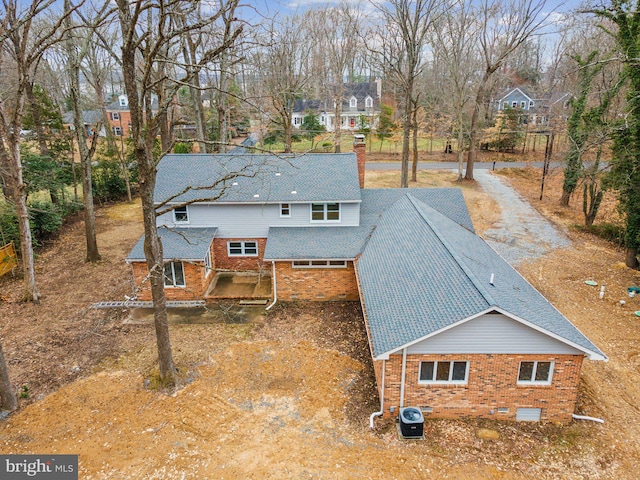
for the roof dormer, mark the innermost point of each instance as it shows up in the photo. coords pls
(123, 101)
(353, 102)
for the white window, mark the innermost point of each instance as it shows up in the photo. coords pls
(523, 104)
(123, 101)
(505, 105)
(444, 372)
(325, 212)
(242, 249)
(319, 264)
(531, 104)
(208, 265)
(174, 275)
(368, 102)
(117, 131)
(181, 214)
(514, 104)
(353, 102)
(285, 210)
(115, 116)
(297, 121)
(535, 373)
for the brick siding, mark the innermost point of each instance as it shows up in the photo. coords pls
(196, 281)
(225, 262)
(492, 384)
(316, 283)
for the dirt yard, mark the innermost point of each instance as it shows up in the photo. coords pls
(289, 396)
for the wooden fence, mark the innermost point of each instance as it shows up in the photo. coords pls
(8, 258)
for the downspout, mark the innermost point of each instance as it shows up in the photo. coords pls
(584, 417)
(379, 414)
(275, 292)
(402, 378)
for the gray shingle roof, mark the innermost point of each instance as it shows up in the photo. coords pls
(420, 272)
(289, 243)
(178, 244)
(314, 177)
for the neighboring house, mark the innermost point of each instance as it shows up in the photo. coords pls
(453, 329)
(119, 115)
(534, 111)
(360, 107)
(90, 120)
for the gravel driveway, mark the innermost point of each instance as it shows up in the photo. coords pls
(522, 233)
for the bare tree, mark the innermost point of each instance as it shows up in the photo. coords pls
(339, 44)
(76, 47)
(400, 48)
(149, 31)
(282, 66)
(503, 27)
(23, 45)
(456, 46)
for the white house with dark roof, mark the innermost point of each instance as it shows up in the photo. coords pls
(453, 329)
(360, 107)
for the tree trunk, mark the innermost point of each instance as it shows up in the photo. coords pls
(19, 197)
(631, 259)
(337, 135)
(414, 166)
(406, 138)
(8, 400)
(85, 153)
(143, 140)
(4, 174)
(473, 133)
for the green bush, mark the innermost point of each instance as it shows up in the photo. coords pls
(8, 224)
(608, 231)
(182, 148)
(108, 184)
(45, 219)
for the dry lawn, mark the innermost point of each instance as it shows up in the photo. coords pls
(290, 396)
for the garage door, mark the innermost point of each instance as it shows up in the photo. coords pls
(528, 414)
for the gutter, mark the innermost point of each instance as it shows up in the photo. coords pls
(379, 414)
(275, 290)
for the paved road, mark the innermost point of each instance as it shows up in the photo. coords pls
(454, 165)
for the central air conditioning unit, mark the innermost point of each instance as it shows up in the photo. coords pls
(411, 422)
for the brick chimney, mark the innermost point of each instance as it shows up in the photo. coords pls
(360, 149)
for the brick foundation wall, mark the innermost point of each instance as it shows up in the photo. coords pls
(225, 262)
(492, 384)
(316, 283)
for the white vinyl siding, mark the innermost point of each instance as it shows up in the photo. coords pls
(492, 334)
(253, 221)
